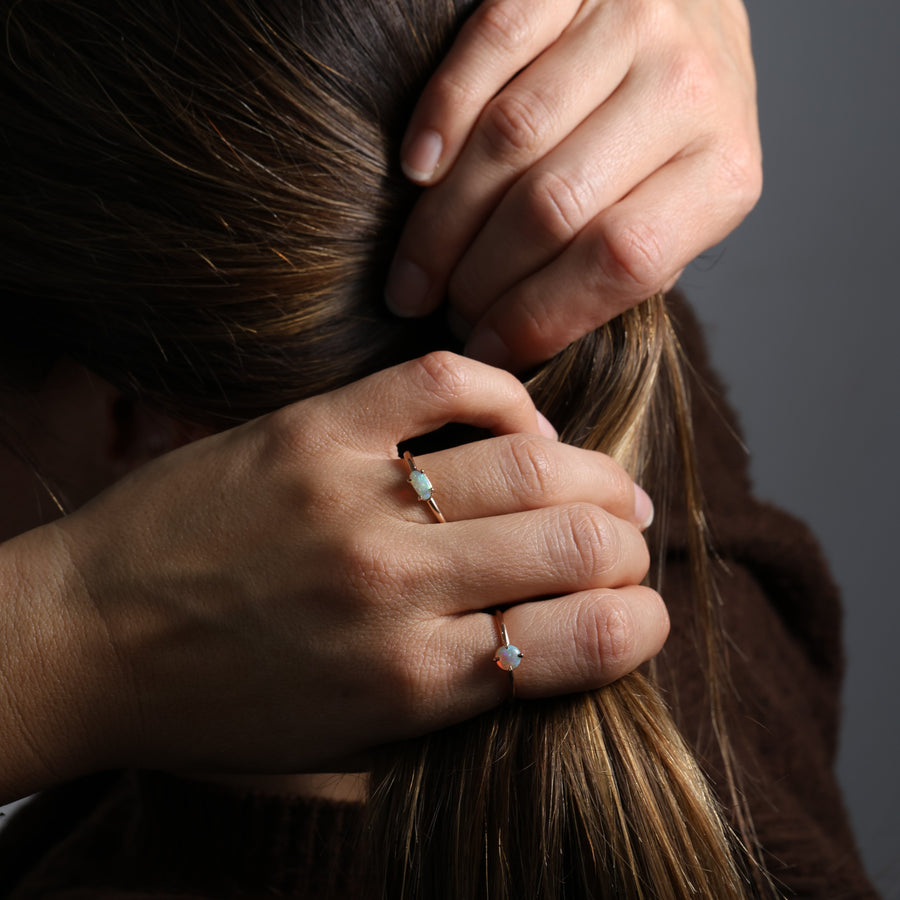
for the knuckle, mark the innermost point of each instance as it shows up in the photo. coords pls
(407, 684)
(535, 477)
(513, 124)
(592, 547)
(281, 433)
(418, 673)
(604, 640)
(442, 375)
(370, 577)
(555, 206)
(642, 18)
(378, 575)
(634, 257)
(536, 320)
(505, 26)
(740, 174)
(288, 436)
(692, 79)
(614, 636)
(452, 91)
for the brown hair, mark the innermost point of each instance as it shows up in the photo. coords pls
(199, 201)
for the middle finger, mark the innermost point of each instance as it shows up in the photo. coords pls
(518, 472)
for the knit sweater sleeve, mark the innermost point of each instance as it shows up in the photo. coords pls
(153, 836)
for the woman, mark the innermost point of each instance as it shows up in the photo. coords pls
(245, 195)
(694, 130)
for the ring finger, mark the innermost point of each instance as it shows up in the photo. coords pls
(483, 563)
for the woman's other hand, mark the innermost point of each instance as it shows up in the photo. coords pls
(582, 153)
(274, 598)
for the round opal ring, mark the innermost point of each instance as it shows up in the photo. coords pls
(508, 656)
(422, 485)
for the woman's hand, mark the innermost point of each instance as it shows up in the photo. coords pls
(583, 152)
(274, 598)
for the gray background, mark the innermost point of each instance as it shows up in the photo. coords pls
(801, 308)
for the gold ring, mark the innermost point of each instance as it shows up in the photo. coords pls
(422, 485)
(508, 656)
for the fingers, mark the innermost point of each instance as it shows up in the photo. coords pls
(499, 39)
(420, 396)
(521, 472)
(575, 643)
(568, 162)
(518, 127)
(550, 205)
(623, 256)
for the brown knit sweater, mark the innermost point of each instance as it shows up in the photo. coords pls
(150, 835)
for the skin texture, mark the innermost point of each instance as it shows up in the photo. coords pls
(588, 151)
(273, 598)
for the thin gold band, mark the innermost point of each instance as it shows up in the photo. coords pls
(507, 656)
(422, 485)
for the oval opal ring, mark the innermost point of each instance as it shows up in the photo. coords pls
(422, 485)
(508, 656)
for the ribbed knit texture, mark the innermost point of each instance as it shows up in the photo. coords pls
(155, 835)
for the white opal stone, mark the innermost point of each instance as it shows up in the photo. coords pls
(508, 657)
(421, 484)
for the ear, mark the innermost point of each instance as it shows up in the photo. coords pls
(139, 433)
(90, 434)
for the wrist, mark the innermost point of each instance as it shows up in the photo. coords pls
(58, 685)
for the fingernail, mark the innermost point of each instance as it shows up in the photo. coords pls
(643, 508)
(547, 430)
(421, 159)
(407, 288)
(487, 347)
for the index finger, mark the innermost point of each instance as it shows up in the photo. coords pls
(498, 40)
(420, 396)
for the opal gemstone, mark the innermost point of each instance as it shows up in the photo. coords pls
(421, 484)
(508, 657)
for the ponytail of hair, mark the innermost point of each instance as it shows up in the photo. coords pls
(595, 795)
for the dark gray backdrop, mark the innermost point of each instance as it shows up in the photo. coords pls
(801, 306)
